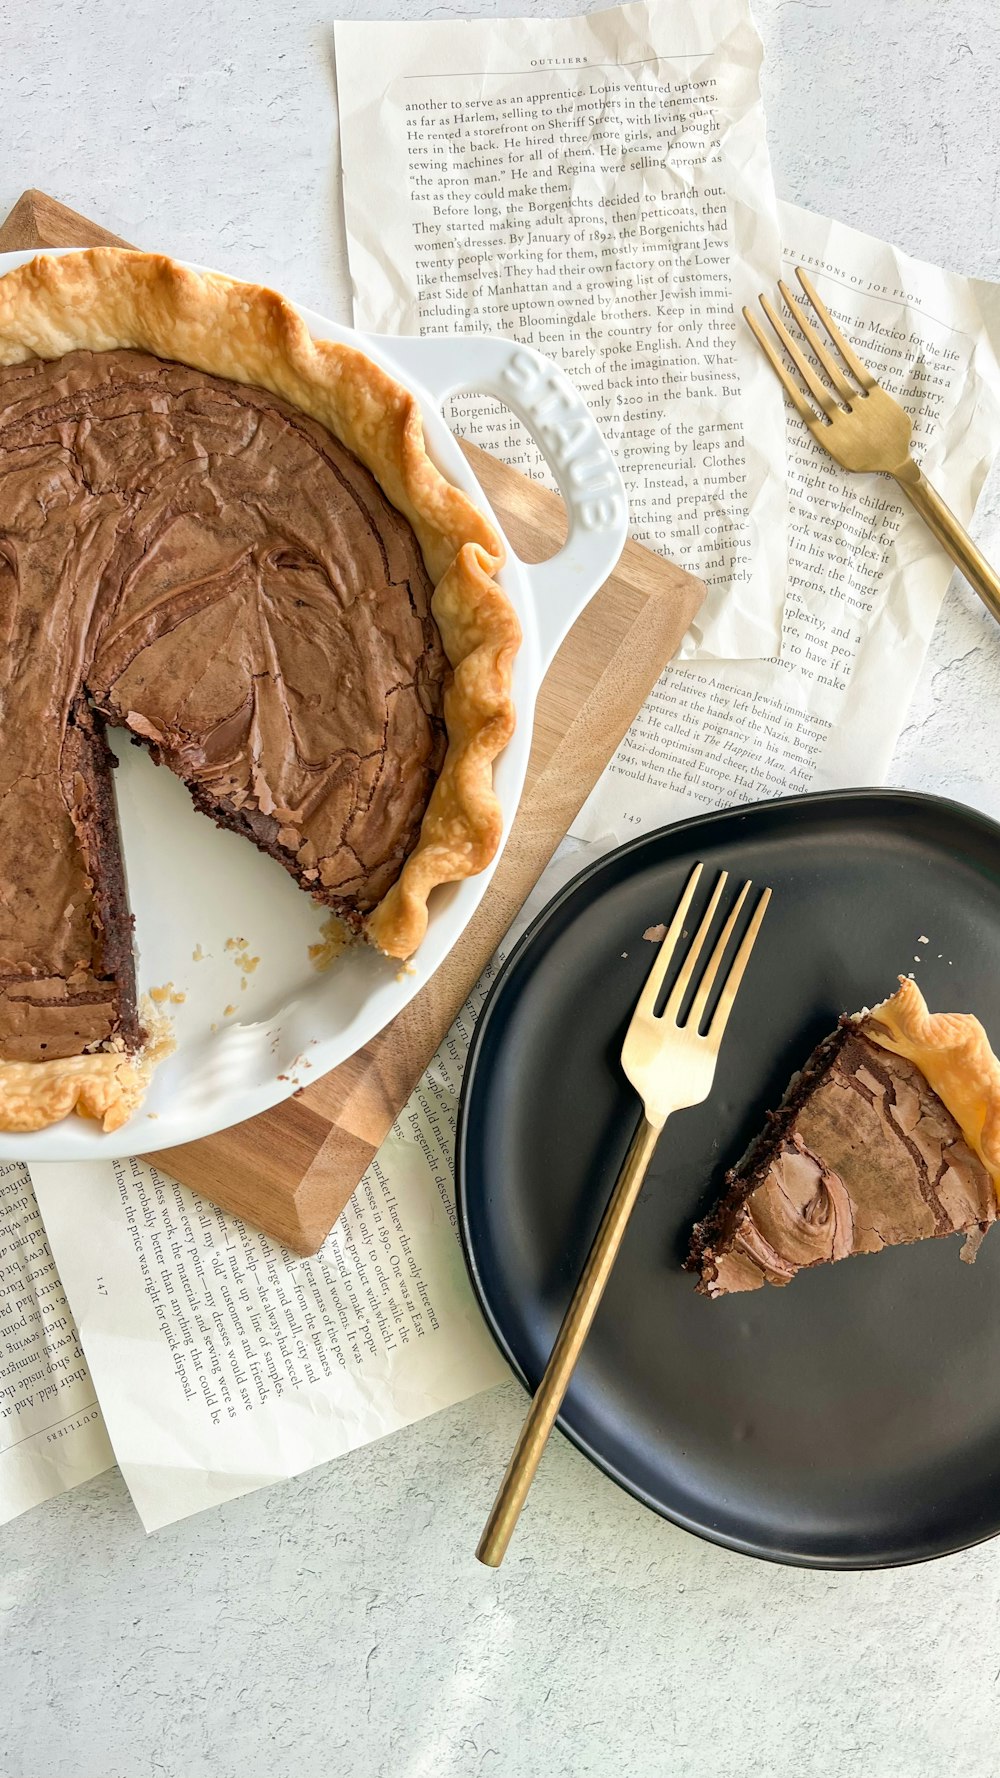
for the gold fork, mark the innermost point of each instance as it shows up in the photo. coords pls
(861, 425)
(671, 1065)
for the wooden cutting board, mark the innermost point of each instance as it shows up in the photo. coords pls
(291, 1170)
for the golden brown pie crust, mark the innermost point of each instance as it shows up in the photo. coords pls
(106, 1085)
(105, 299)
(953, 1053)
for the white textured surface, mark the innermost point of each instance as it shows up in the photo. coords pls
(339, 1624)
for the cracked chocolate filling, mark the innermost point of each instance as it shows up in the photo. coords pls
(861, 1155)
(204, 565)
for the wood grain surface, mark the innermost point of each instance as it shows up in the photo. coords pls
(291, 1170)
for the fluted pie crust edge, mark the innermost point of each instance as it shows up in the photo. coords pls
(104, 299)
(953, 1053)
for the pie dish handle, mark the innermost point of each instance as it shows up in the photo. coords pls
(569, 438)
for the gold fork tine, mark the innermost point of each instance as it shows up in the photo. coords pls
(822, 396)
(647, 999)
(872, 434)
(694, 950)
(845, 390)
(787, 381)
(851, 359)
(707, 983)
(735, 976)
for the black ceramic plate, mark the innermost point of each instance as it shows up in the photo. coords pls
(853, 1418)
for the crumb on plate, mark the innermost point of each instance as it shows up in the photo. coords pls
(334, 938)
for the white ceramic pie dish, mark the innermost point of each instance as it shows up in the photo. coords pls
(245, 1039)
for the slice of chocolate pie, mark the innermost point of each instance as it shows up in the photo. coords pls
(227, 538)
(889, 1134)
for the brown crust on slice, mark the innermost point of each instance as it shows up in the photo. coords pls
(953, 1052)
(861, 1155)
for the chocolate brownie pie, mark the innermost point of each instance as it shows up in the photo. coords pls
(890, 1133)
(227, 538)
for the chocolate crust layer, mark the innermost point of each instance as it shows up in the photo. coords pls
(860, 1155)
(202, 564)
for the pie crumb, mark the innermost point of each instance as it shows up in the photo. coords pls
(228, 1011)
(655, 934)
(160, 996)
(160, 1039)
(197, 955)
(923, 939)
(334, 938)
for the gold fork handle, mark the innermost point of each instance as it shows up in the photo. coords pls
(575, 1327)
(955, 538)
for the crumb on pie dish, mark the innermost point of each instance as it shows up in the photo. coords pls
(227, 538)
(889, 1134)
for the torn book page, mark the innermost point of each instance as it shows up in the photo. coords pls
(865, 576)
(598, 187)
(52, 1434)
(223, 1362)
